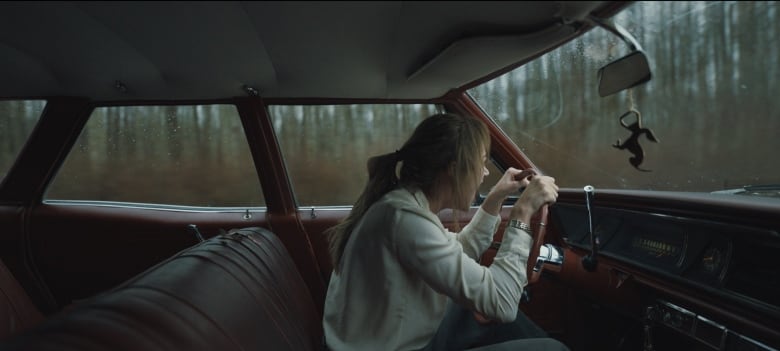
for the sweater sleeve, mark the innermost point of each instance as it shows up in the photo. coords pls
(427, 249)
(477, 235)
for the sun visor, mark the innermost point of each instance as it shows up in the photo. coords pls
(472, 58)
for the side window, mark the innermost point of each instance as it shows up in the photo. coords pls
(177, 155)
(492, 178)
(17, 120)
(326, 147)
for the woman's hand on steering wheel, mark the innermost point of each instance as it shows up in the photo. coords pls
(539, 191)
(509, 183)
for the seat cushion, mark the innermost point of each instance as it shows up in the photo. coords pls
(239, 291)
(17, 312)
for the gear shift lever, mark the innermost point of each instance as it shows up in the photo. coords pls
(589, 262)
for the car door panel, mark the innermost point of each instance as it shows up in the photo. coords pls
(82, 250)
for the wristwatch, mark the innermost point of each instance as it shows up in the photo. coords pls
(519, 225)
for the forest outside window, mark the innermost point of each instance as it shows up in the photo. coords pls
(326, 147)
(174, 155)
(711, 103)
(17, 120)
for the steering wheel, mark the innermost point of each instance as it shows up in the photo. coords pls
(539, 229)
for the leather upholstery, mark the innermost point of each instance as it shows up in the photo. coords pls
(17, 312)
(239, 291)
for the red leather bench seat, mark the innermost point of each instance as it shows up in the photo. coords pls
(17, 312)
(239, 291)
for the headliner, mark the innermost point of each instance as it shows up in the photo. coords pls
(210, 50)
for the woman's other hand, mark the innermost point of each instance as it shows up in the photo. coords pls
(512, 181)
(540, 191)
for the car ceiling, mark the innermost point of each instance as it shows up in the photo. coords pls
(111, 51)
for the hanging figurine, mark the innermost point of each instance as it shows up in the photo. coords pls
(632, 143)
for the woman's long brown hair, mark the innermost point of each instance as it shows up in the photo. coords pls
(437, 143)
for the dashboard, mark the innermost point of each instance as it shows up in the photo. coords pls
(737, 262)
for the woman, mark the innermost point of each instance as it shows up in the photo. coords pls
(396, 267)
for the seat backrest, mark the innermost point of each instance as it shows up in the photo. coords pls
(17, 312)
(239, 291)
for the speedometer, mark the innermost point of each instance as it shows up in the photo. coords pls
(655, 247)
(659, 246)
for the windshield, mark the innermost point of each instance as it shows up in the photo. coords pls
(710, 105)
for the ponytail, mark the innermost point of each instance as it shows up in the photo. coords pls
(381, 180)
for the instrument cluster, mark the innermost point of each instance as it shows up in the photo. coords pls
(726, 258)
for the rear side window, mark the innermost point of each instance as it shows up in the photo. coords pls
(326, 147)
(17, 120)
(178, 155)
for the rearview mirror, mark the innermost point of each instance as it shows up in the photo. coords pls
(623, 73)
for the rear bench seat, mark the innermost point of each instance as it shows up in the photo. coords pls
(17, 312)
(238, 291)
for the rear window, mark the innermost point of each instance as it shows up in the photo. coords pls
(177, 155)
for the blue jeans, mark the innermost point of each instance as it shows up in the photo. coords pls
(460, 331)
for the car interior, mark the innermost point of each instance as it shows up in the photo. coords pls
(122, 227)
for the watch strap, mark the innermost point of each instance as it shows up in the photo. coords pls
(514, 223)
